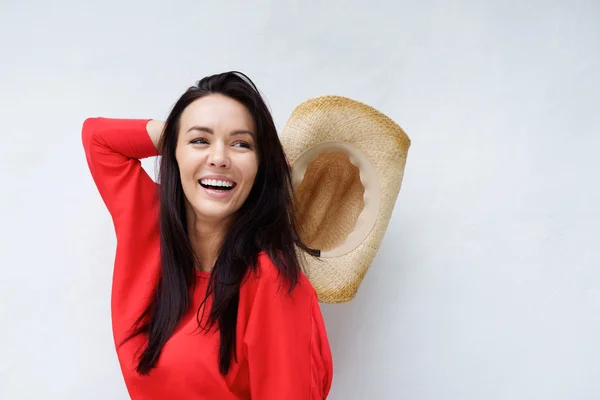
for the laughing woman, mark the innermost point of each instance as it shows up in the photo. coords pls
(208, 298)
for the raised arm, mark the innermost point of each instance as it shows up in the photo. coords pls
(113, 149)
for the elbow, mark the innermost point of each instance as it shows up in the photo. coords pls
(88, 126)
(87, 130)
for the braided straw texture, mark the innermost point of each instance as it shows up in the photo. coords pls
(336, 279)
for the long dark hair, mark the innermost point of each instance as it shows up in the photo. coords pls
(265, 222)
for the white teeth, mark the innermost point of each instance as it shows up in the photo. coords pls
(214, 182)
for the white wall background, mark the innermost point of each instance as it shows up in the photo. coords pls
(487, 285)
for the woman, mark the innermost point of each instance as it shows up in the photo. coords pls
(208, 299)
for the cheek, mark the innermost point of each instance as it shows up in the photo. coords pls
(187, 165)
(250, 169)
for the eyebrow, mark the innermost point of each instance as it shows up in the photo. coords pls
(210, 131)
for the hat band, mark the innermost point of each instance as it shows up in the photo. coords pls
(368, 178)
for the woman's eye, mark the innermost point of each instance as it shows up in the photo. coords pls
(243, 144)
(199, 141)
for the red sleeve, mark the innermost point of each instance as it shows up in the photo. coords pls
(286, 343)
(113, 149)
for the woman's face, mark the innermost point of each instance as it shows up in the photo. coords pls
(217, 156)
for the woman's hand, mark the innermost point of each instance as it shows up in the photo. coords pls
(155, 130)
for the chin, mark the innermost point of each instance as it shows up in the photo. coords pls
(212, 214)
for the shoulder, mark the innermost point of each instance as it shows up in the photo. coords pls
(268, 277)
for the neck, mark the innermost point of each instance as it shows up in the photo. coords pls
(205, 237)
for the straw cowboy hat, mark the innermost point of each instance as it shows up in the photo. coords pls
(348, 163)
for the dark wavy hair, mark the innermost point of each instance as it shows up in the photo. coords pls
(265, 222)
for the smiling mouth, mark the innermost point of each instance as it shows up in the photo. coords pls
(220, 186)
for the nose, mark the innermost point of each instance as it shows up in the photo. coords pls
(218, 157)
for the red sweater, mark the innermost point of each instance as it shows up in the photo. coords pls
(282, 347)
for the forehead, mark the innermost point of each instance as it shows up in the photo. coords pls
(218, 112)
